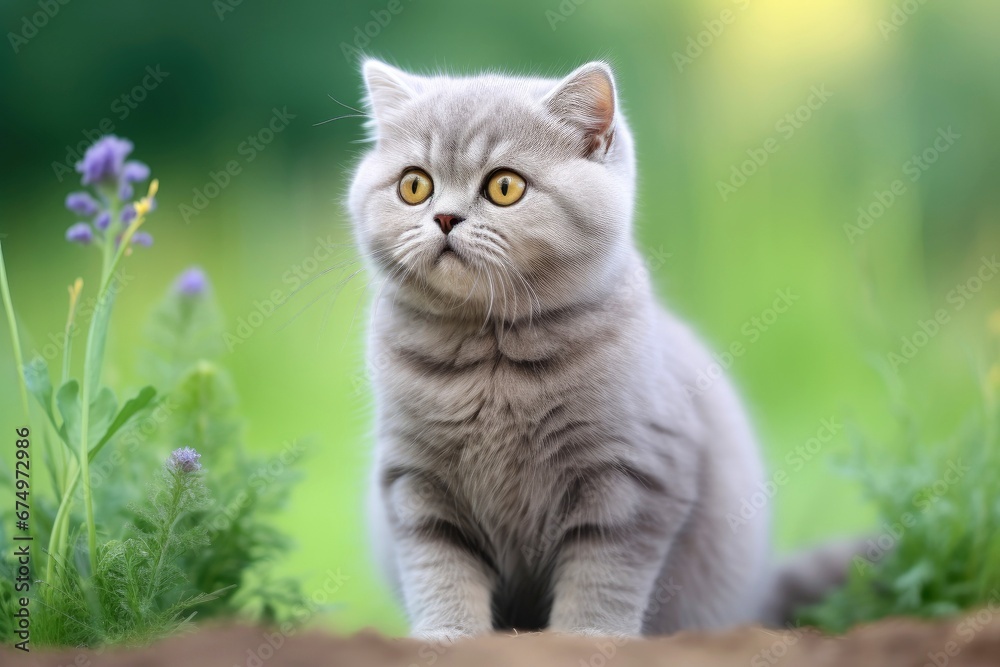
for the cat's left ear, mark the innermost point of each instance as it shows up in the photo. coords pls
(586, 100)
(388, 88)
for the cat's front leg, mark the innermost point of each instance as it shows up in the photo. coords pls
(603, 582)
(446, 584)
(447, 591)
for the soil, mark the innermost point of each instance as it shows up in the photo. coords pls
(970, 641)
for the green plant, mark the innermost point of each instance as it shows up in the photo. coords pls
(937, 548)
(138, 541)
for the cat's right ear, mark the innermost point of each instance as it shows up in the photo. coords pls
(586, 100)
(388, 88)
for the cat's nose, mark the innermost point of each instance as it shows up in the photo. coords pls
(446, 222)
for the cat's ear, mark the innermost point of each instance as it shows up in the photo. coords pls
(586, 100)
(388, 88)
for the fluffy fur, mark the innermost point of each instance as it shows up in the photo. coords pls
(543, 459)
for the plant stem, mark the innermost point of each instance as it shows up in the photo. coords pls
(14, 337)
(88, 502)
(92, 362)
(60, 526)
(166, 532)
(74, 296)
(96, 338)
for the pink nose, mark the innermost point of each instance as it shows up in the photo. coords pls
(446, 222)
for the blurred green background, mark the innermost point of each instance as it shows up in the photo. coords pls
(706, 86)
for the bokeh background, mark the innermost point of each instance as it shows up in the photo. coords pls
(840, 96)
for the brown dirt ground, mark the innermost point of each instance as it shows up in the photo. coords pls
(970, 641)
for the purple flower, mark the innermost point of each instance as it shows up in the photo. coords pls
(81, 203)
(80, 233)
(192, 282)
(134, 171)
(125, 190)
(103, 162)
(128, 214)
(103, 220)
(142, 238)
(185, 459)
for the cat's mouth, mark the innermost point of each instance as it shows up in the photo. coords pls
(447, 251)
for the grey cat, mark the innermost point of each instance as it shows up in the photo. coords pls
(545, 456)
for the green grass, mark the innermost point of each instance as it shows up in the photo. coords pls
(936, 551)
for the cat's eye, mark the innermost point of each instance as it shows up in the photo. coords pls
(415, 186)
(504, 187)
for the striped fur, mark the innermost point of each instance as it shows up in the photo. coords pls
(541, 458)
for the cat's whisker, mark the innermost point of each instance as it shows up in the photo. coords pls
(532, 294)
(347, 106)
(489, 311)
(361, 300)
(330, 120)
(504, 278)
(336, 290)
(495, 256)
(339, 265)
(333, 301)
(472, 289)
(378, 297)
(403, 275)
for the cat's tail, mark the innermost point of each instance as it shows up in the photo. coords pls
(806, 577)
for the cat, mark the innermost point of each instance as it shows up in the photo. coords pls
(545, 455)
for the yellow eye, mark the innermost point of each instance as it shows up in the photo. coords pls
(505, 187)
(415, 186)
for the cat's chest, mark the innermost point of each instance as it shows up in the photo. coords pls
(479, 386)
(507, 420)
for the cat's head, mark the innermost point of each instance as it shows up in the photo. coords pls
(495, 195)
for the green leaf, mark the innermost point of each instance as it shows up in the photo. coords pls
(102, 411)
(68, 400)
(99, 420)
(182, 330)
(98, 336)
(36, 377)
(129, 410)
